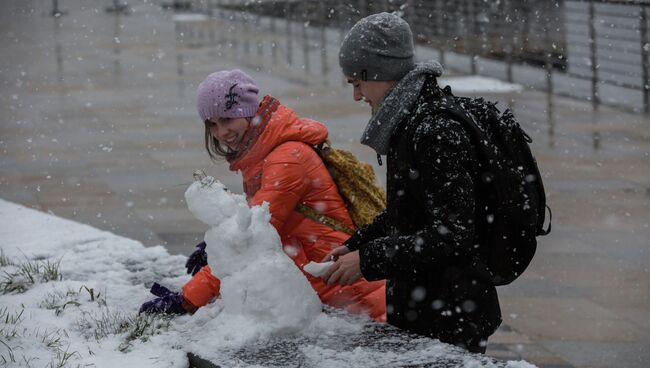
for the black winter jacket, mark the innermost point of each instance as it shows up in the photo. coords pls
(425, 243)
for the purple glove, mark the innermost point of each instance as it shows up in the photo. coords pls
(167, 302)
(197, 260)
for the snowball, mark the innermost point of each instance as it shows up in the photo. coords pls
(317, 269)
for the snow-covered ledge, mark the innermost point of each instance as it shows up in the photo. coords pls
(478, 85)
(70, 296)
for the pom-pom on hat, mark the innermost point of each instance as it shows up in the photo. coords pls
(227, 94)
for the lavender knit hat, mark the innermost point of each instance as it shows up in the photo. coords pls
(227, 94)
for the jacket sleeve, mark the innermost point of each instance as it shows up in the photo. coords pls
(283, 181)
(375, 229)
(443, 156)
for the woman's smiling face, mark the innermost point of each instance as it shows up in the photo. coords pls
(228, 131)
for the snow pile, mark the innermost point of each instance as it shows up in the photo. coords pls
(70, 293)
(258, 281)
(69, 296)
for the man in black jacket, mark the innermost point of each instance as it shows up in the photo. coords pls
(425, 244)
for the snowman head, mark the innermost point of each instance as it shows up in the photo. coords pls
(211, 203)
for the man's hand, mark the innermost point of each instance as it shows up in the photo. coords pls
(345, 271)
(336, 253)
(197, 260)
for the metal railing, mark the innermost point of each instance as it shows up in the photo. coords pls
(596, 50)
(616, 33)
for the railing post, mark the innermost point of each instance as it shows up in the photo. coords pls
(233, 29)
(342, 23)
(511, 42)
(258, 39)
(595, 100)
(442, 30)
(118, 8)
(645, 58)
(223, 29)
(287, 19)
(56, 12)
(58, 51)
(411, 17)
(594, 58)
(116, 48)
(210, 5)
(548, 66)
(510, 48)
(304, 24)
(210, 13)
(470, 37)
(180, 35)
(247, 31)
(274, 37)
(363, 8)
(323, 40)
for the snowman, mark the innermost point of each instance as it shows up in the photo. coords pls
(258, 280)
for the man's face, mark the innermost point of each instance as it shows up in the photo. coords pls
(372, 92)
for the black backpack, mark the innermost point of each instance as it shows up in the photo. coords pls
(510, 199)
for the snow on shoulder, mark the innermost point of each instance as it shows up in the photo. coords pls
(258, 281)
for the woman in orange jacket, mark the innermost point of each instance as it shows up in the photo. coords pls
(272, 147)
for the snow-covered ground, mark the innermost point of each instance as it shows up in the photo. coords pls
(70, 296)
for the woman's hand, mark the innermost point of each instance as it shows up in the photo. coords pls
(167, 302)
(197, 260)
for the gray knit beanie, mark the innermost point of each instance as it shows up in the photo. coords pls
(379, 47)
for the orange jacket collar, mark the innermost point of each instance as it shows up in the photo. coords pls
(273, 125)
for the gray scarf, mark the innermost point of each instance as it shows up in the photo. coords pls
(397, 105)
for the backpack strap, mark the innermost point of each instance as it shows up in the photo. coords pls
(312, 214)
(550, 219)
(448, 105)
(323, 219)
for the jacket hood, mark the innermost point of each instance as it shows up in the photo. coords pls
(273, 125)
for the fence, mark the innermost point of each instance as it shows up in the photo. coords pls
(596, 50)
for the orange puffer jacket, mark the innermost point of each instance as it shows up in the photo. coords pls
(280, 167)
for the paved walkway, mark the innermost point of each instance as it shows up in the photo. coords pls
(98, 125)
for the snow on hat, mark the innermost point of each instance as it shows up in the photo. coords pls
(227, 94)
(378, 47)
